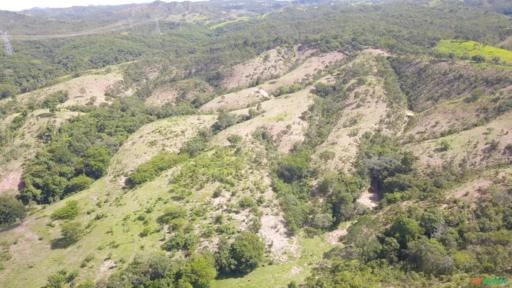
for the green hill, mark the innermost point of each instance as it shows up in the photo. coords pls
(256, 144)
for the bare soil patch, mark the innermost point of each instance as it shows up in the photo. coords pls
(83, 90)
(478, 147)
(184, 89)
(368, 199)
(281, 116)
(333, 237)
(107, 267)
(470, 191)
(269, 64)
(10, 181)
(250, 96)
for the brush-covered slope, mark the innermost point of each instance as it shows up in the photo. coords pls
(271, 146)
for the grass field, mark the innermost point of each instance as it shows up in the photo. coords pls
(471, 48)
(222, 24)
(279, 275)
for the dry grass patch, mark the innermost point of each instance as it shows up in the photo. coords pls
(478, 147)
(267, 65)
(281, 116)
(469, 192)
(359, 116)
(449, 116)
(83, 90)
(250, 96)
(163, 135)
(185, 89)
(237, 100)
(366, 109)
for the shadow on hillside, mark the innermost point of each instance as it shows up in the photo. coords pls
(61, 243)
(8, 227)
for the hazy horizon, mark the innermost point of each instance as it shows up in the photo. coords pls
(28, 4)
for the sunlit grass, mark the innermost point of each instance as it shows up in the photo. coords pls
(472, 48)
(279, 275)
(222, 24)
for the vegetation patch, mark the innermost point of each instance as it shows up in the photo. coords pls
(11, 210)
(68, 212)
(222, 166)
(151, 169)
(222, 24)
(474, 50)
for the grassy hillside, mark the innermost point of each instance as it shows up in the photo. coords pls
(256, 144)
(470, 49)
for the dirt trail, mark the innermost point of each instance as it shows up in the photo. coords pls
(7, 44)
(100, 30)
(106, 269)
(10, 181)
(273, 230)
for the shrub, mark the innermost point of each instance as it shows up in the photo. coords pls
(172, 213)
(224, 120)
(478, 58)
(432, 222)
(327, 155)
(181, 241)
(68, 212)
(399, 183)
(18, 121)
(508, 149)
(242, 256)
(87, 284)
(322, 220)
(78, 183)
(404, 230)
(7, 90)
(11, 210)
(362, 238)
(200, 270)
(71, 232)
(342, 192)
(162, 271)
(246, 202)
(380, 158)
(443, 146)
(429, 256)
(294, 167)
(464, 260)
(295, 210)
(323, 90)
(53, 100)
(197, 144)
(61, 279)
(234, 140)
(156, 165)
(96, 161)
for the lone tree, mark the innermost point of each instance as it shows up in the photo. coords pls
(242, 256)
(11, 210)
